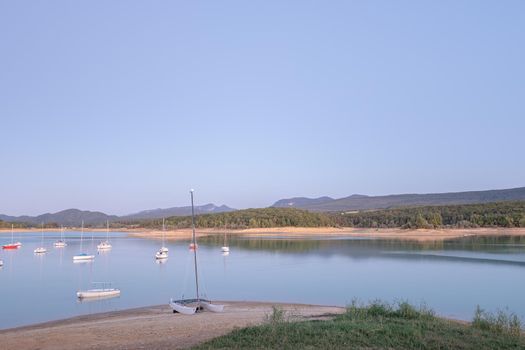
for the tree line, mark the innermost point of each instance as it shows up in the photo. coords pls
(499, 214)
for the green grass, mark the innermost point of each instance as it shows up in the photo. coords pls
(377, 326)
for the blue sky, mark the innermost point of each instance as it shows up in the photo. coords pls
(121, 106)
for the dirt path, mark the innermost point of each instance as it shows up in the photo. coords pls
(151, 328)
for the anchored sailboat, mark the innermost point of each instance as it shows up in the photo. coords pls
(225, 248)
(105, 245)
(61, 243)
(41, 249)
(163, 251)
(13, 244)
(82, 256)
(104, 290)
(190, 306)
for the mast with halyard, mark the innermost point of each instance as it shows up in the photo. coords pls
(190, 306)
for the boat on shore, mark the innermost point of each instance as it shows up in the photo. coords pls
(191, 306)
(13, 244)
(104, 291)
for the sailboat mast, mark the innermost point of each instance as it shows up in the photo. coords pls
(81, 235)
(194, 246)
(163, 232)
(107, 230)
(12, 234)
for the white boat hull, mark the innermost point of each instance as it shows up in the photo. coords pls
(160, 255)
(60, 244)
(104, 246)
(98, 293)
(83, 257)
(225, 249)
(40, 250)
(163, 250)
(212, 307)
(183, 309)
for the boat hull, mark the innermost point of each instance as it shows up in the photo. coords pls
(12, 246)
(191, 306)
(83, 257)
(180, 307)
(98, 293)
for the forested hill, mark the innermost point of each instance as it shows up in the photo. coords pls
(247, 218)
(502, 214)
(362, 202)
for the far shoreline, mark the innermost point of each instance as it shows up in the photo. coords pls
(305, 232)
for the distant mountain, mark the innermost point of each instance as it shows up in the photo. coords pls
(300, 202)
(362, 202)
(74, 217)
(69, 217)
(177, 211)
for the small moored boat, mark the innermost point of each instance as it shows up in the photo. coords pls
(104, 291)
(82, 256)
(161, 255)
(41, 249)
(13, 244)
(61, 243)
(105, 245)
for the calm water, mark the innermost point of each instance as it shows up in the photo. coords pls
(451, 277)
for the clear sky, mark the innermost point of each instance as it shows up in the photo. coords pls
(121, 106)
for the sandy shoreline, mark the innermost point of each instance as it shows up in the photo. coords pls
(302, 232)
(299, 232)
(153, 327)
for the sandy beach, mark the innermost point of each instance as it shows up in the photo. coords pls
(153, 328)
(301, 232)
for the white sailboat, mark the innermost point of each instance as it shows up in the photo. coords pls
(105, 245)
(162, 253)
(104, 290)
(61, 243)
(41, 249)
(225, 248)
(191, 306)
(82, 256)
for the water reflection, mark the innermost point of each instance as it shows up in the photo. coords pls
(452, 276)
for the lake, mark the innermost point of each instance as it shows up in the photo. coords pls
(452, 277)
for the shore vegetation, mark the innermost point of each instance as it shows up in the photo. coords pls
(378, 325)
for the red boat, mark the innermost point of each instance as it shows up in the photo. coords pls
(12, 245)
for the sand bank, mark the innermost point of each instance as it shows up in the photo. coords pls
(300, 232)
(152, 328)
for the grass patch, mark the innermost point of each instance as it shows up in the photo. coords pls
(378, 325)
